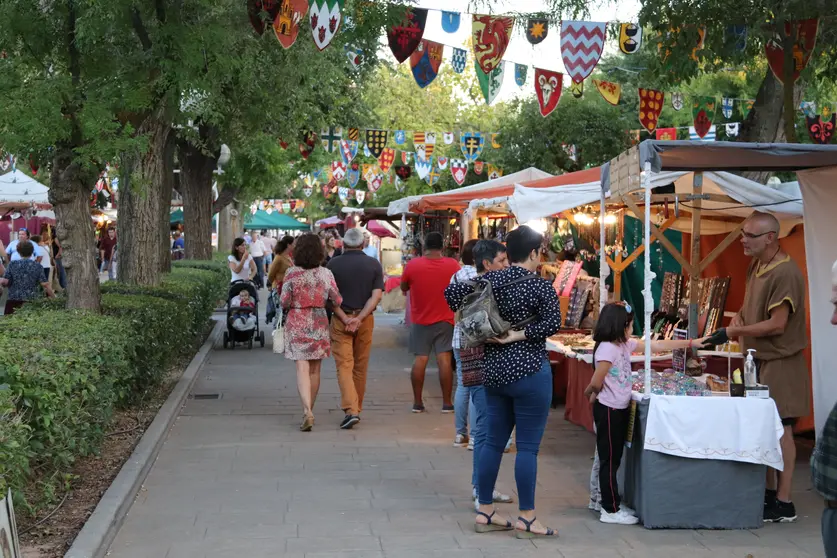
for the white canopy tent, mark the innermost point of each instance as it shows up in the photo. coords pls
(19, 191)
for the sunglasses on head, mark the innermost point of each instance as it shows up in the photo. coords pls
(626, 306)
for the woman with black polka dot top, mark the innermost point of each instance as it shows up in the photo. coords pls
(518, 378)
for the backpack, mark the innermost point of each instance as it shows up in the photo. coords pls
(479, 316)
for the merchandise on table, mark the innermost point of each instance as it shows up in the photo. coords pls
(673, 383)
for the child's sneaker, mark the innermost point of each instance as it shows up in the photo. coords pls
(618, 518)
(594, 506)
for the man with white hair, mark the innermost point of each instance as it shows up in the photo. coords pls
(360, 281)
(772, 321)
(824, 458)
(369, 248)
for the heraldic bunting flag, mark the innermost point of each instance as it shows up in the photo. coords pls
(548, 88)
(806, 33)
(577, 89)
(650, 107)
(376, 141)
(491, 36)
(459, 59)
(450, 22)
(286, 22)
(404, 37)
(472, 144)
(425, 62)
(582, 43)
(611, 92)
(821, 130)
(536, 30)
(492, 82)
(325, 20)
(703, 111)
(459, 170)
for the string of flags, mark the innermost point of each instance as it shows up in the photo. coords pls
(281, 206)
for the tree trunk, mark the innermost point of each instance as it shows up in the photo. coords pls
(165, 207)
(144, 207)
(69, 194)
(196, 174)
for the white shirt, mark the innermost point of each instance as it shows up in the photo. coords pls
(269, 243)
(467, 273)
(371, 251)
(37, 251)
(257, 248)
(44, 253)
(244, 274)
(12, 247)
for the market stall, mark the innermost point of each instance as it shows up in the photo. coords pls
(262, 220)
(24, 203)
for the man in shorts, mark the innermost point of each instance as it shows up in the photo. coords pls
(772, 321)
(425, 279)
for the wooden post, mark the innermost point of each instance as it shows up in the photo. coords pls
(694, 276)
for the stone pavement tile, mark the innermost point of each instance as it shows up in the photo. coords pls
(242, 525)
(329, 516)
(430, 503)
(391, 542)
(493, 541)
(337, 505)
(158, 539)
(451, 553)
(524, 552)
(342, 554)
(333, 544)
(334, 528)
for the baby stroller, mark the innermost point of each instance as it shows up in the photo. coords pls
(242, 330)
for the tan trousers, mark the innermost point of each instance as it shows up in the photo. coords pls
(351, 354)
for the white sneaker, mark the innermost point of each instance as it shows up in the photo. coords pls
(594, 506)
(460, 441)
(471, 443)
(499, 498)
(618, 518)
(627, 510)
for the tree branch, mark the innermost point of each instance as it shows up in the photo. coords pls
(225, 198)
(72, 48)
(139, 28)
(160, 7)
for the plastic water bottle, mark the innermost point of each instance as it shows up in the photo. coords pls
(750, 369)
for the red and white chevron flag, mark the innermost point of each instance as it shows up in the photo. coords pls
(582, 43)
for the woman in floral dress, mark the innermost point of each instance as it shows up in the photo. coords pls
(307, 289)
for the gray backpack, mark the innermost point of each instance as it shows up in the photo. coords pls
(479, 316)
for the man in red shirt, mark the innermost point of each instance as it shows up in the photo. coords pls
(107, 248)
(425, 279)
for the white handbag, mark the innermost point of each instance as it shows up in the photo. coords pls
(279, 338)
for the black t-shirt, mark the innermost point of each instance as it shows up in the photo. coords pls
(357, 275)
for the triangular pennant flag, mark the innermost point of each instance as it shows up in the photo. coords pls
(732, 129)
(494, 143)
(353, 174)
(548, 86)
(404, 37)
(338, 170)
(459, 59)
(433, 176)
(630, 38)
(348, 151)
(331, 138)
(491, 36)
(611, 92)
(360, 196)
(400, 137)
(494, 173)
(425, 62)
(821, 130)
(442, 163)
(343, 194)
(286, 21)
(806, 39)
(726, 107)
(747, 106)
(582, 43)
(478, 166)
(491, 83)
(325, 19)
(386, 159)
(577, 89)
(353, 134)
(423, 167)
(536, 30)
(448, 138)
(459, 170)
(677, 101)
(520, 72)
(650, 107)
(703, 112)
(472, 144)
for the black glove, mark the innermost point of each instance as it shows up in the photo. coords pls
(719, 337)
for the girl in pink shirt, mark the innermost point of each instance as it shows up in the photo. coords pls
(610, 393)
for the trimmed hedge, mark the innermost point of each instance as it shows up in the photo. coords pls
(64, 371)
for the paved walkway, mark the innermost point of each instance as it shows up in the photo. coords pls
(237, 479)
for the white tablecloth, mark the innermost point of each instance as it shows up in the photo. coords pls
(724, 428)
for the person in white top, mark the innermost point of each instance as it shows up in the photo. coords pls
(369, 248)
(257, 251)
(242, 266)
(11, 249)
(42, 256)
(269, 245)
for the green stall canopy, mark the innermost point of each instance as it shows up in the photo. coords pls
(177, 217)
(274, 220)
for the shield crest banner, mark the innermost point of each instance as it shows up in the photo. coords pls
(376, 141)
(325, 18)
(425, 62)
(405, 157)
(423, 167)
(520, 72)
(353, 134)
(630, 38)
(577, 89)
(360, 196)
(667, 134)
(491, 83)
(732, 129)
(495, 143)
(548, 85)
(450, 22)
(442, 163)
(726, 107)
(433, 176)
(338, 170)
(309, 141)
(806, 40)
(472, 144)
(650, 107)
(703, 112)
(736, 35)
(478, 167)
(343, 194)
(286, 22)
(458, 60)
(374, 182)
(459, 170)
(677, 101)
(494, 173)
(403, 171)
(255, 9)
(448, 137)
(307, 190)
(582, 43)
(491, 35)
(746, 107)
(400, 137)
(386, 159)
(821, 130)
(536, 30)
(611, 92)
(331, 138)
(405, 37)
(353, 174)
(348, 150)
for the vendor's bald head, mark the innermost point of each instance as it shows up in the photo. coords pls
(760, 235)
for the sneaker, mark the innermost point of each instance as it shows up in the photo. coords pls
(349, 421)
(471, 444)
(627, 510)
(618, 518)
(500, 498)
(594, 506)
(447, 409)
(460, 441)
(780, 512)
(418, 408)
(769, 498)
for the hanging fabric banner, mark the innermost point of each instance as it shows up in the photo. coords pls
(425, 62)
(491, 83)
(472, 144)
(442, 163)
(400, 137)
(309, 141)
(577, 89)
(732, 129)
(450, 22)
(520, 71)
(710, 135)
(703, 112)
(348, 151)
(459, 59)
(736, 36)
(286, 22)
(331, 138)
(307, 190)
(375, 181)
(582, 43)
(611, 92)
(403, 171)
(448, 137)
(677, 101)
(325, 20)
(338, 170)
(630, 38)
(494, 142)
(491, 35)
(360, 196)
(404, 37)
(494, 173)
(650, 107)
(353, 134)
(808, 108)
(459, 170)
(821, 130)
(354, 54)
(386, 159)
(746, 107)
(255, 8)
(405, 157)
(366, 151)
(548, 85)
(423, 167)
(536, 30)
(353, 174)
(478, 167)
(806, 40)
(433, 176)
(424, 144)
(726, 107)
(343, 194)
(666, 134)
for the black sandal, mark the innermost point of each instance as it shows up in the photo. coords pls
(491, 526)
(528, 534)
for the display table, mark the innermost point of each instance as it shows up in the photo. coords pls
(699, 462)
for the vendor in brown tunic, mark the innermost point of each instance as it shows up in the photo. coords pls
(772, 321)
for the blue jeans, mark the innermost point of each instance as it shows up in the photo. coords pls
(62, 273)
(111, 265)
(479, 430)
(524, 404)
(829, 532)
(259, 270)
(463, 413)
